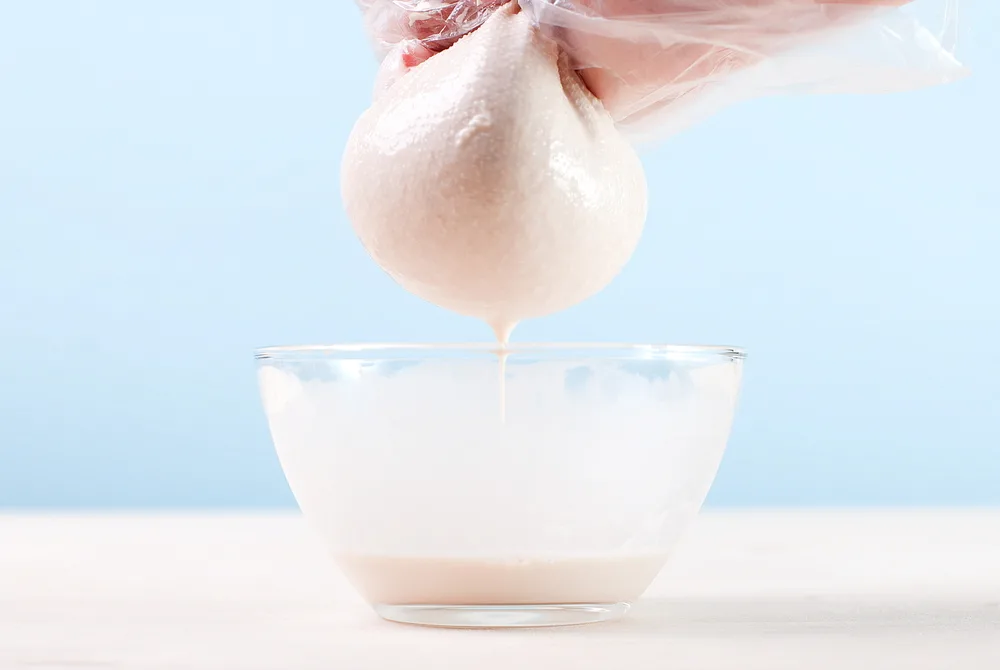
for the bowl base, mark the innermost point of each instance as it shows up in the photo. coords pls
(502, 616)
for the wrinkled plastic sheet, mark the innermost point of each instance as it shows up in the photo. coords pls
(661, 65)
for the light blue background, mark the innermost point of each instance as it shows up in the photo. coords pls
(169, 201)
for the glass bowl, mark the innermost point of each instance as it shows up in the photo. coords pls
(460, 486)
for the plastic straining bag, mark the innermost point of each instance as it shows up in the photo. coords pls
(661, 65)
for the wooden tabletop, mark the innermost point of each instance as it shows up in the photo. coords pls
(816, 590)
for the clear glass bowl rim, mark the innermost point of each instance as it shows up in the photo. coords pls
(596, 350)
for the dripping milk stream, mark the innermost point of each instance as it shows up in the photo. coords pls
(502, 331)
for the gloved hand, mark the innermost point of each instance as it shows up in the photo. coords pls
(637, 56)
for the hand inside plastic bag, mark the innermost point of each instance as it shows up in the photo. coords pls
(637, 56)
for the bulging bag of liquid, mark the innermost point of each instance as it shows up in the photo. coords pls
(495, 173)
(659, 66)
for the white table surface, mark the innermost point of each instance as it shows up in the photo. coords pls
(751, 590)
